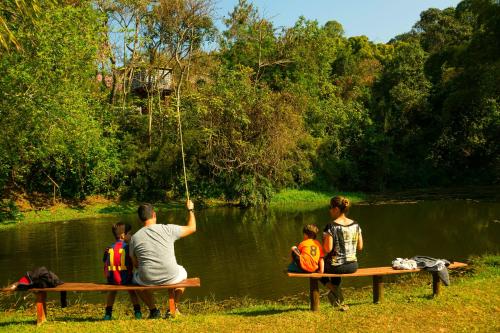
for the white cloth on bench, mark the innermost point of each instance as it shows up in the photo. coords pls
(404, 263)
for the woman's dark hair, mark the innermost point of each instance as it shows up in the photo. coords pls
(145, 212)
(120, 228)
(341, 202)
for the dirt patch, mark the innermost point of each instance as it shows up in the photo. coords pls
(32, 201)
(97, 199)
(38, 201)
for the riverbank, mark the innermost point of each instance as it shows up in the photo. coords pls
(470, 303)
(290, 200)
(102, 207)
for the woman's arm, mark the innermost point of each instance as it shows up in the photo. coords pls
(360, 242)
(327, 242)
(321, 265)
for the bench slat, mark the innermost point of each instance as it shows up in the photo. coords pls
(372, 271)
(77, 286)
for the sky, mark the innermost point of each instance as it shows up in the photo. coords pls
(379, 20)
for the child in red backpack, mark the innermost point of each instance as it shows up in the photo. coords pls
(118, 268)
(308, 256)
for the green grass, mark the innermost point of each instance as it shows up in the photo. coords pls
(293, 196)
(470, 304)
(307, 199)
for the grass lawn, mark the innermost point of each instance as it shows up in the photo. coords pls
(306, 199)
(470, 304)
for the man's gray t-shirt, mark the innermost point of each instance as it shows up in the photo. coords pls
(153, 247)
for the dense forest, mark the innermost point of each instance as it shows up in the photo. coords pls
(91, 94)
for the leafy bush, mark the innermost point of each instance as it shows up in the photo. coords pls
(9, 211)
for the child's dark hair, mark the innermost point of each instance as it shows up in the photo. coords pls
(145, 212)
(342, 203)
(120, 228)
(311, 230)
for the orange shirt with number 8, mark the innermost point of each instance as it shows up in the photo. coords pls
(310, 253)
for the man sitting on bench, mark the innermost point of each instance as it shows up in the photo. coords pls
(152, 253)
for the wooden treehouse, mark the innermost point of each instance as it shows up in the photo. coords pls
(152, 81)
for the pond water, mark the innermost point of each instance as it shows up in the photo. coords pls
(244, 252)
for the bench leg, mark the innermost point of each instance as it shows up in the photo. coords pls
(41, 307)
(314, 294)
(171, 301)
(64, 302)
(378, 289)
(436, 284)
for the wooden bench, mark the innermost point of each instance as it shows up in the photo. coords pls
(41, 293)
(378, 285)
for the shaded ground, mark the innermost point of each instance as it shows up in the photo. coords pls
(479, 193)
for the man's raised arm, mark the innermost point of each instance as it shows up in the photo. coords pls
(191, 223)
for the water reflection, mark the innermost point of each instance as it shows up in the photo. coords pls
(243, 252)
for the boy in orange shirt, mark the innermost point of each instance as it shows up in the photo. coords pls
(308, 256)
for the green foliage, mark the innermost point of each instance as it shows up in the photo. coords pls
(254, 191)
(249, 39)
(297, 107)
(12, 14)
(466, 105)
(50, 112)
(9, 211)
(247, 132)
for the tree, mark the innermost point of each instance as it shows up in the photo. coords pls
(467, 146)
(439, 29)
(51, 130)
(249, 135)
(249, 40)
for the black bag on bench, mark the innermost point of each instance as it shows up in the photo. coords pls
(39, 277)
